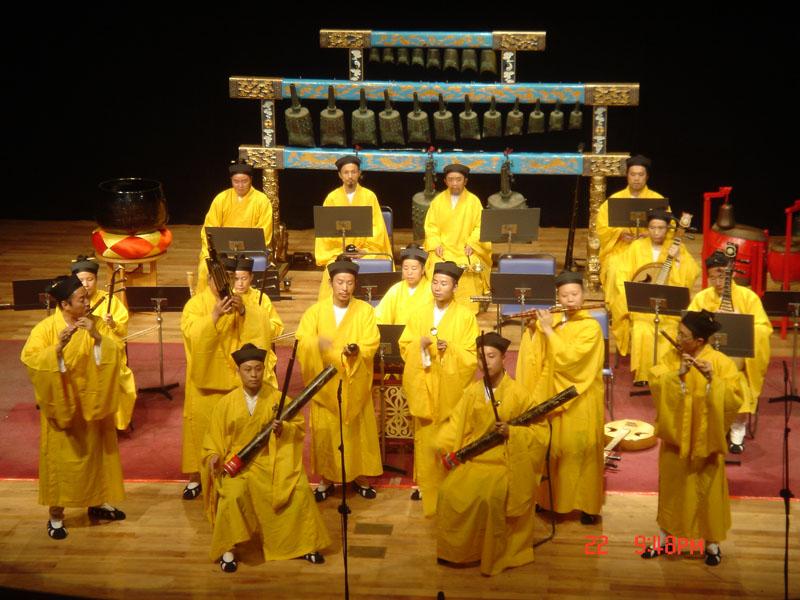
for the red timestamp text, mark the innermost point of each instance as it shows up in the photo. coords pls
(597, 545)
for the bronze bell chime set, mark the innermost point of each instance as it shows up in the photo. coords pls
(435, 59)
(389, 127)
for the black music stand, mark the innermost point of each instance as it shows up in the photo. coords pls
(786, 304)
(522, 289)
(518, 225)
(31, 294)
(249, 241)
(161, 299)
(632, 212)
(736, 337)
(388, 354)
(373, 286)
(343, 222)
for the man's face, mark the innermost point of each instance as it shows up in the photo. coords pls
(686, 340)
(455, 182)
(716, 277)
(252, 374)
(412, 272)
(494, 361)
(343, 285)
(242, 281)
(637, 178)
(349, 175)
(89, 281)
(78, 304)
(570, 295)
(241, 182)
(657, 229)
(442, 287)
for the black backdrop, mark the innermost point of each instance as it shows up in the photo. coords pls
(94, 96)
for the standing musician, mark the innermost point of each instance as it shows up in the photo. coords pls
(438, 347)
(116, 321)
(269, 500)
(655, 248)
(557, 351)
(326, 250)
(453, 232)
(74, 367)
(213, 327)
(744, 301)
(485, 508)
(697, 397)
(408, 295)
(341, 331)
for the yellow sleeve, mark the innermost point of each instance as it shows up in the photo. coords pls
(52, 395)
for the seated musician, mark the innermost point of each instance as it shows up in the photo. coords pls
(557, 351)
(408, 295)
(453, 232)
(655, 248)
(744, 301)
(485, 508)
(326, 250)
(697, 393)
(269, 500)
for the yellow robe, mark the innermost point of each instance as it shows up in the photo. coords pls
(573, 356)
(692, 424)
(434, 391)
(683, 273)
(276, 328)
(362, 451)
(227, 210)
(745, 301)
(210, 371)
(454, 228)
(127, 391)
(269, 499)
(78, 455)
(327, 249)
(397, 306)
(485, 508)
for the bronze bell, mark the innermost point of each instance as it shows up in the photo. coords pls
(362, 123)
(331, 123)
(469, 60)
(422, 200)
(536, 119)
(556, 121)
(492, 122)
(388, 56)
(488, 62)
(725, 217)
(444, 130)
(390, 124)
(417, 57)
(375, 55)
(298, 122)
(576, 117)
(402, 57)
(450, 59)
(434, 62)
(515, 120)
(506, 198)
(468, 122)
(419, 129)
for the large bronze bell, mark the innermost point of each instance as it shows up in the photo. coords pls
(488, 62)
(492, 122)
(422, 200)
(450, 59)
(468, 122)
(536, 119)
(725, 217)
(576, 117)
(506, 198)
(331, 123)
(417, 124)
(556, 121)
(362, 123)
(444, 129)
(434, 61)
(390, 124)
(515, 120)
(469, 60)
(298, 122)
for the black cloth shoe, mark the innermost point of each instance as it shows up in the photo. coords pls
(320, 495)
(192, 493)
(651, 552)
(228, 567)
(712, 560)
(587, 519)
(365, 492)
(735, 448)
(315, 558)
(57, 533)
(103, 514)
(416, 495)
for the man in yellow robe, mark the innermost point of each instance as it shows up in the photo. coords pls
(241, 205)
(408, 295)
(557, 351)
(212, 329)
(269, 499)
(438, 347)
(485, 508)
(117, 323)
(326, 250)
(655, 248)
(744, 301)
(695, 406)
(75, 367)
(341, 331)
(453, 232)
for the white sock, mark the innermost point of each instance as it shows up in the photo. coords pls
(738, 429)
(107, 506)
(712, 548)
(322, 486)
(228, 557)
(56, 524)
(192, 484)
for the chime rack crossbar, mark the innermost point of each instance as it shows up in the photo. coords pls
(531, 41)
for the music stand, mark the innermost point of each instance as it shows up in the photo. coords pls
(522, 289)
(632, 212)
(249, 241)
(786, 304)
(31, 294)
(736, 337)
(388, 354)
(373, 286)
(161, 299)
(343, 222)
(520, 225)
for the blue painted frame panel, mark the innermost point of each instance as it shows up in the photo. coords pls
(431, 39)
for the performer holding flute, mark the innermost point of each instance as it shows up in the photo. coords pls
(557, 351)
(697, 395)
(270, 499)
(74, 368)
(485, 507)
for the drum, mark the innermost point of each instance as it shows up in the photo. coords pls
(131, 205)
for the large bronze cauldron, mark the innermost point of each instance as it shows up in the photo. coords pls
(131, 205)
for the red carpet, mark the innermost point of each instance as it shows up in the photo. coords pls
(152, 450)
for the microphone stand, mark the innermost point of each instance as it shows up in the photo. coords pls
(344, 510)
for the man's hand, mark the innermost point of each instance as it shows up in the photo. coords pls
(441, 346)
(705, 368)
(439, 251)
(501, 427)
(425, 341)
(468, 251)
(350, 350)
(277, 427)
(324, 344)
(64, 336)
(110, 321)
(237, 304)
(222, 307)
(546, 319)
(213, 463)
(627, 237)
(87, 323)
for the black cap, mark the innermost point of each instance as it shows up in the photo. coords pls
(240, 168)
(660, 214)
(342, 264)
(229, 262)
(456, 168)
(415, 252)
(702, 324)
(249, 352)
(244, 263)
(717, 259)
(63, 287)
(639, 161)
(84, 264)
(448, 267)
(350, 159)
(495, 340)
(566, 277)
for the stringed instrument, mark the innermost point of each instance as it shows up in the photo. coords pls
(726, 298)
(657, 272)
(627, 434)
